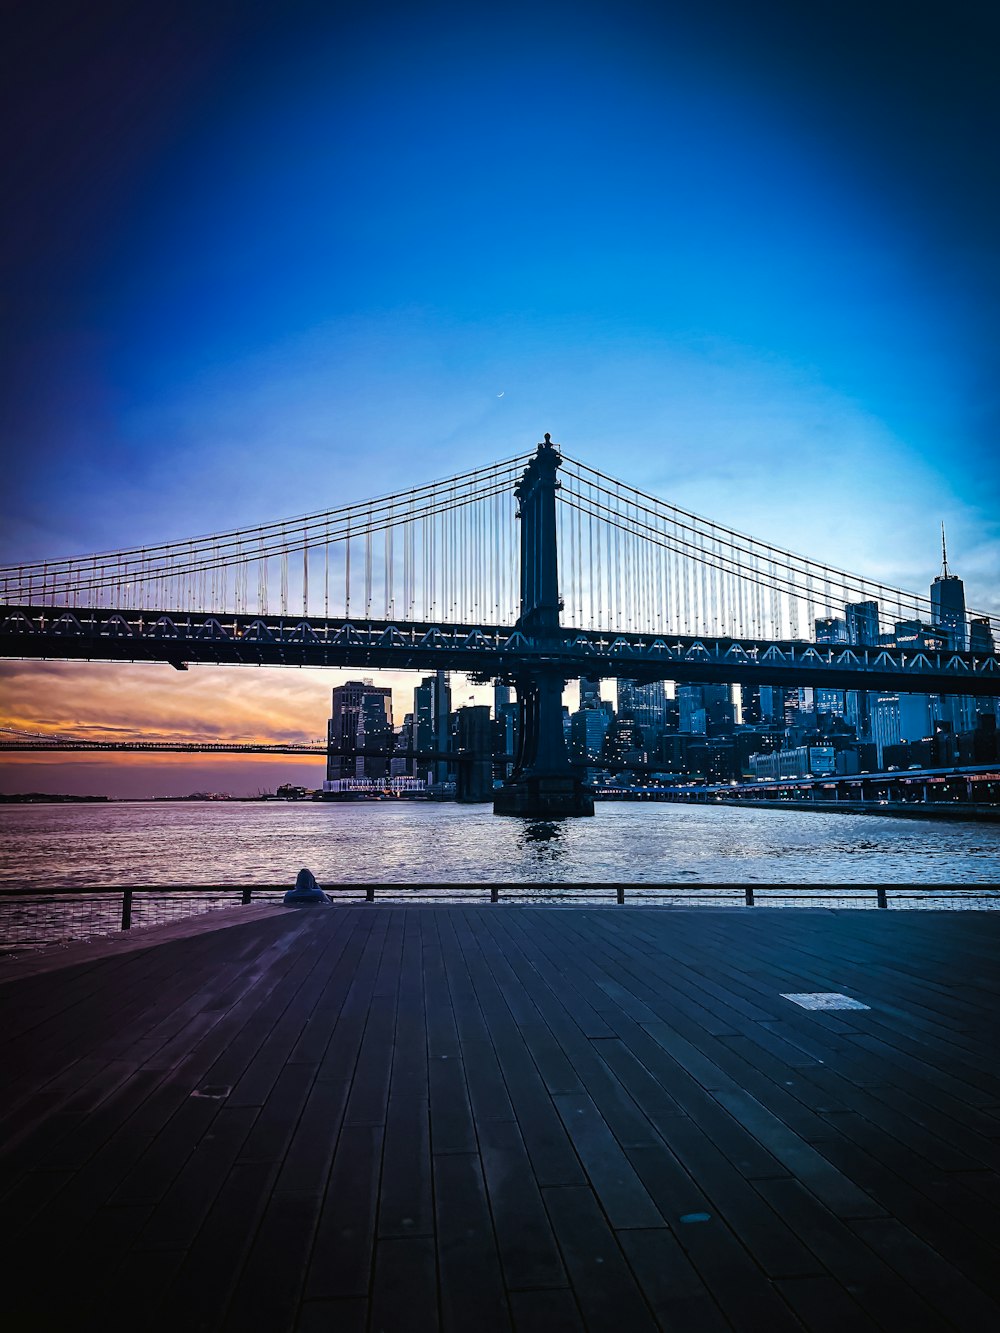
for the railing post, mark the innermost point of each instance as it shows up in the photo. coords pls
(749, 896)
(126, 909)
(882, 899)
(370, 894)
(246, 896)
(494, 894)
(621, 895)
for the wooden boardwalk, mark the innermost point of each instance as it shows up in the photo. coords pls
(397, 1119)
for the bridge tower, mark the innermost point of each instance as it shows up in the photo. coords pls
(542, 783)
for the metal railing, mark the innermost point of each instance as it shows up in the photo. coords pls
(33, 919)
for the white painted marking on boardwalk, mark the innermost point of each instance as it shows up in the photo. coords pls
(825, 1000)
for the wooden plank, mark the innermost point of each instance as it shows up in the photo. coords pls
(857, 1267)
(275, 1121)
(528, 1251)
(340, 1264)
(404, 1291)
(268, 1290)
(347, 1316)
(623, 1196)
(472, 1289)
(670, 1283)
(199, 1293)
(603, 1283)
(941, 1284)
(825, 1307)
(405, 1201)
(775, 1246)
(840, 1194)
(553, 1311)
(369, 1095)
(452, 1127)
(183, 1208)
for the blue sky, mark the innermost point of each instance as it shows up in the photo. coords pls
(744, 257)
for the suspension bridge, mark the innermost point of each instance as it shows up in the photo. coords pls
(534, 570)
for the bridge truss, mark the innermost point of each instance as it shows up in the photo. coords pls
(486, 651)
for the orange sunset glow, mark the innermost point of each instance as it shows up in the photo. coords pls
(141, 701)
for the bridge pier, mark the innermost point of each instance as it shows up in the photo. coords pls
(542, 784)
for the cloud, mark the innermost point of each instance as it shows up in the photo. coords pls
(154, 702)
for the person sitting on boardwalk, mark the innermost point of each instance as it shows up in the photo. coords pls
(307, 893)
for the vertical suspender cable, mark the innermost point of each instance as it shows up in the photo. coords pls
(347, 571)
(368, 567)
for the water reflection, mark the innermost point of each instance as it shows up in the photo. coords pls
(542, 830)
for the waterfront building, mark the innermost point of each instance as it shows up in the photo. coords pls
(346, 708)
(474, 769)
(857, 707)
(772, 704)
(423, 728)
(713, 759)
(829, 701)
(691, 710)
(588, 730)
(720, 711)
(759, 738)
(884, 722)
(504, 728)
(623, 743)
(374, 787)
(645, 704)
(432, 721)
(793, 763)
(590, 693)
(822, 760)
(750, 705)
(801, 761)
(374, 734)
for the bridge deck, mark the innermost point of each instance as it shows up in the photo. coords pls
(380, 1118)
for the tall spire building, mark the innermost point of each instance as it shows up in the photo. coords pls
(948, 602)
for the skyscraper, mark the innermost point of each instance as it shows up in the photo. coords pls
(862, 622)
(750, 705)
(981, 635)
(475, 743)
(691, 705)
(590, 693)
(350, 715)
(948, 603)
(432, 725)
(646, 705)
(374, 733)
(441, 721)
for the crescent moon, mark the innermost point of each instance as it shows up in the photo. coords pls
(500, 394)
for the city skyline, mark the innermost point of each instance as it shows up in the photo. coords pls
(324, 254)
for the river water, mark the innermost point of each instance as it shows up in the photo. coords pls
(706, 856)
(410, 842)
